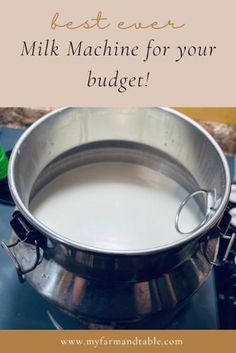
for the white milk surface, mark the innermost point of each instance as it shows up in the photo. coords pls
(114, 206)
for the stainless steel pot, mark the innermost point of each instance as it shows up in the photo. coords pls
(119, 286)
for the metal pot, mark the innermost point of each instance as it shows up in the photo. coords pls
(119, 286)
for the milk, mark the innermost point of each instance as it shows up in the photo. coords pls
(114, 206)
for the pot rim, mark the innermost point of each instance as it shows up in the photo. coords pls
(80, 246)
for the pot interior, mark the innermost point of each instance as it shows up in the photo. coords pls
(115, 196)
(119, 174)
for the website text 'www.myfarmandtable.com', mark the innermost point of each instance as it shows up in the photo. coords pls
(134, 341)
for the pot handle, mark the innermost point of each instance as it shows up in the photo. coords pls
(209, 210)
(21, 272)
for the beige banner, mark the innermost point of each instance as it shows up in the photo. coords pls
(124, 53)
(115, 341)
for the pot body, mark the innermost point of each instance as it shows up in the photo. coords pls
(115, 289)
(117, 286)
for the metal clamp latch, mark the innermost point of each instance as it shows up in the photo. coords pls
(19, 270)
(221, 260)
(226, 240)
(26, 234)
(231, 239)
(25, 231)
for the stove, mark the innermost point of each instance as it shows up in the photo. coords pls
(23, 308)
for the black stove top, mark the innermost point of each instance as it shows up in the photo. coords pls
(23, 308)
